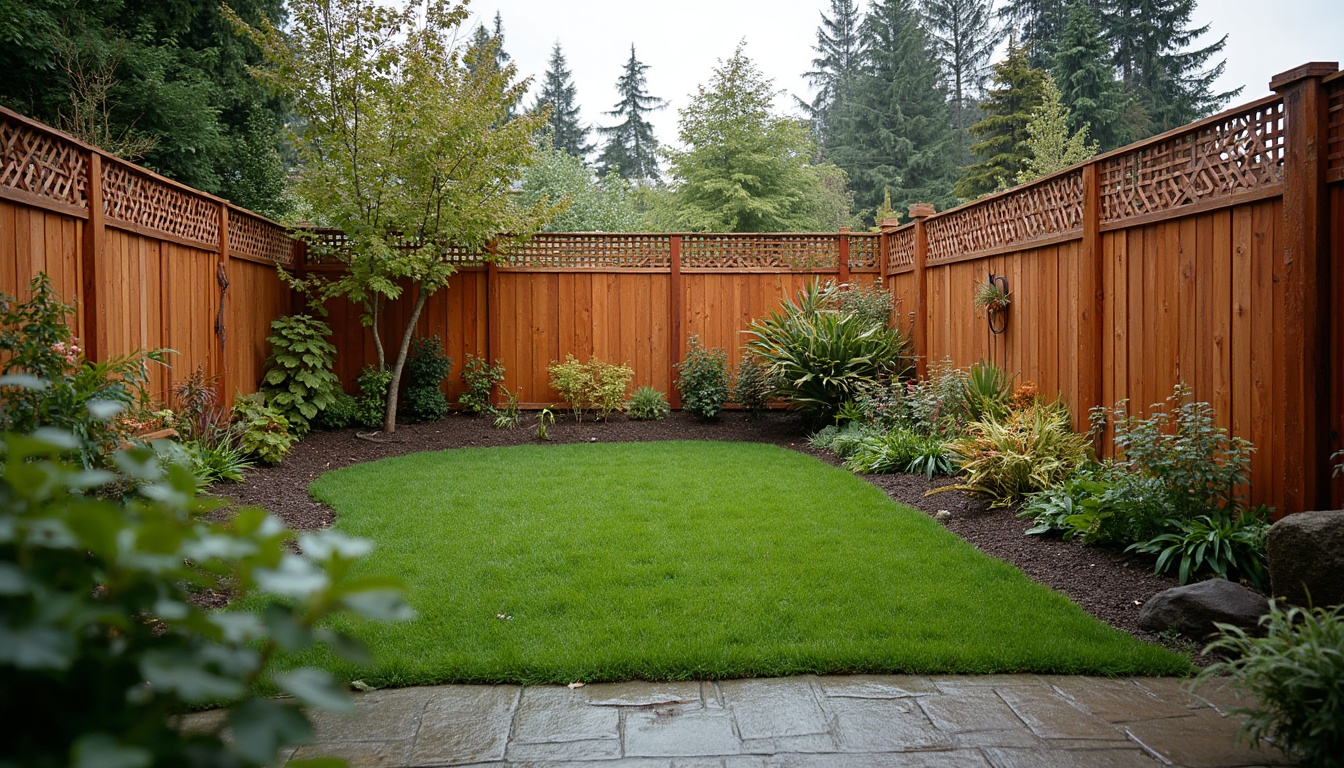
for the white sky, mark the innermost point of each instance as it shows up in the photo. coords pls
(682, 40)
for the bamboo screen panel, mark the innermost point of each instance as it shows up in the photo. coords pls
(1237, 152)
(1038, 211)
(42, 164)
(777, 251)
(901, 248)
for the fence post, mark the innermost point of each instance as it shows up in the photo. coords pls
(844, 255)
(1091, 302)
(221, 350)
(491, 309)
(675, 302)
(94, 332)
(1302, 280)
(919, 212)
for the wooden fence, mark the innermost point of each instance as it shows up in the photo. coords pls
(1202, 255)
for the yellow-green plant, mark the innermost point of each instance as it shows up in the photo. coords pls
(592, 386)
(1029, 451)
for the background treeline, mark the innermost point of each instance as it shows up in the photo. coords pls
(906, 107)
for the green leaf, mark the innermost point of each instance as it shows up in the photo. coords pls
(36, 648)
(316, 688)
(261, 727)
(183, 673)
(12, 580)
(99, 750)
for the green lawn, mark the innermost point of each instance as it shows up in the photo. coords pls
(687, 560)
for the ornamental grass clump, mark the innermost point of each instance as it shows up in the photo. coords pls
(647, 404)
(1030, 451)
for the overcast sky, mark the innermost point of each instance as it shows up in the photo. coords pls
(681, 42)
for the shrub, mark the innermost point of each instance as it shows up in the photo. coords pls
(508, 417)
(753, 384)
(871, 304)
(934, 406)
(898, 450)
(426, 368)
(1100, 507)
(220, 461)
(371, 405)
(299, 382)
(479, 378)
(263, 432)
(842, 440)
(1295, 676)
(647, 404)
(985, 393)
(1226, 544)
(341, 413)
(702, 380)
(1028, 452)
(818, 355)
(592, 386)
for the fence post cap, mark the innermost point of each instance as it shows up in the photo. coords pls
(922, 210)
(1304, 72)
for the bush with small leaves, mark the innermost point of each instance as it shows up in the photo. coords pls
(753, 384)
(647, 404)
(340, 414)
(702, 380)
(592, 386)
(480, 379)
(371, 405)
(263, 432)
(426, 368)
(299, 380)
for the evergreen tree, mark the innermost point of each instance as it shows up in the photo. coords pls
(1086, 79)
(894, 134)
(964, 37)
(485, 40)
(1051, 145)
(631, 147)
(1017, 89)
(558, 93)
(1169, 82)
(1039, 25)
(839, 59)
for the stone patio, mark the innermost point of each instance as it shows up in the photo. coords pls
(1004, 721)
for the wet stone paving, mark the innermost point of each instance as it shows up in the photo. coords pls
(1003, 721)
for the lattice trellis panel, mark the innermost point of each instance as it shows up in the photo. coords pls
(578, 251)
(42, 164)
(863, 250)
(1234, 154)
(778, 251)
(1335, 144)
(1037, 211)
(901, 248)
(260, 238)
(135, 198)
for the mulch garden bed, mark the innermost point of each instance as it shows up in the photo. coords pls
(1109, 585)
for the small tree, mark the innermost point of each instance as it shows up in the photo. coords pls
(1051, 147)
(407, 146)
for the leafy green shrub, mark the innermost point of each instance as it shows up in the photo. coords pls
(753, 385)
(299, 381)
(371, 405)
(592, 386)
(820, 356)
(1100, 507)
(1028, 452)
(479, 378)
(702, 380)
(426, 368)
(341, 413)
(263, 432)
(871, 304)
(1225, 544)
(647, 404)
(897, 450)
(1295, 677)
(844, 439)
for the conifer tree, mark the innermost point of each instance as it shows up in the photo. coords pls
(964, 36)
(1039, 25)
(895, 133)
(837, 64)
(484, 40)
(1051, 145)
(1086, 79)
(631, 148)
(1169, 81)
(1017, 88)
(558, 93)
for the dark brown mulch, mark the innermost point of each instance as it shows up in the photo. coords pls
(1109, 585)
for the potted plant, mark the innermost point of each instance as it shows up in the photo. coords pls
(992, 295)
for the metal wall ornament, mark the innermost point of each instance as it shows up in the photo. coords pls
(994, 297)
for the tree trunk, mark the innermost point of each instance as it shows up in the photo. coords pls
(390, 418)
(376, 315)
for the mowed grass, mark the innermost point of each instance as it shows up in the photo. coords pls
(675, 560)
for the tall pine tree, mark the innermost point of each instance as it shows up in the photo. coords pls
(1087, 82)
(631, 147)
(839, 59)
(1017, 90)
(484, 40)
(1171, 82)
(964, 36)
(568, 134)
(894, 134)
(1039, 25)
(1051, 145)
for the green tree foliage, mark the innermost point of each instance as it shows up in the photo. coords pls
(744, 168)
(406, 147)
(837, 65)
(1017, 90)
(568, 134)
(594, 205)
(964, 37)
(164, 84)
(1171, 82)
(894, 134)
(1039, 24)
(631, 148)
(491, 44)
(1086, 79)
(1051, 145)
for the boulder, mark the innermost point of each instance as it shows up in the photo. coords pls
(1306, 556)
(1193, 608)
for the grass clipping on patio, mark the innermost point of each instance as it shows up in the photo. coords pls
(665, 561)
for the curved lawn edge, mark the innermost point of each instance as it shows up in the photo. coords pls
(689, 559)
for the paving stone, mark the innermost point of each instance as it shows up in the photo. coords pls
(678, 733)
(774, 707)
(556, 714)
(1050, 716)
(465, 724)
(204, 722)
(967, 758)
(391, 715)
(884, 725)
(360, 754)
(1115, 701)
(1013, 737)
(1174, 690)
(809, 744)
(604, 749)
(876, 687)
(958, 682)
(973, 708)
(1221, 694)
(641, 694)
(1200, 740)
(1070, 758)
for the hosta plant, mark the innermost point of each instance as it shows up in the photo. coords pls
(1223, 544)
(299, 381)
(262, 431)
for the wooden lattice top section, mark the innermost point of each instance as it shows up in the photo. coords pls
(901, 248)
(41, 163)
(136, 198)
(579, 250)
(257, 237)
(1040, 211)
(1234, 152)
(760, 251)
(865, 250)
(1335, 142)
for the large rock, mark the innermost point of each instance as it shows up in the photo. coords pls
(1306, 555)
(1193, 608)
